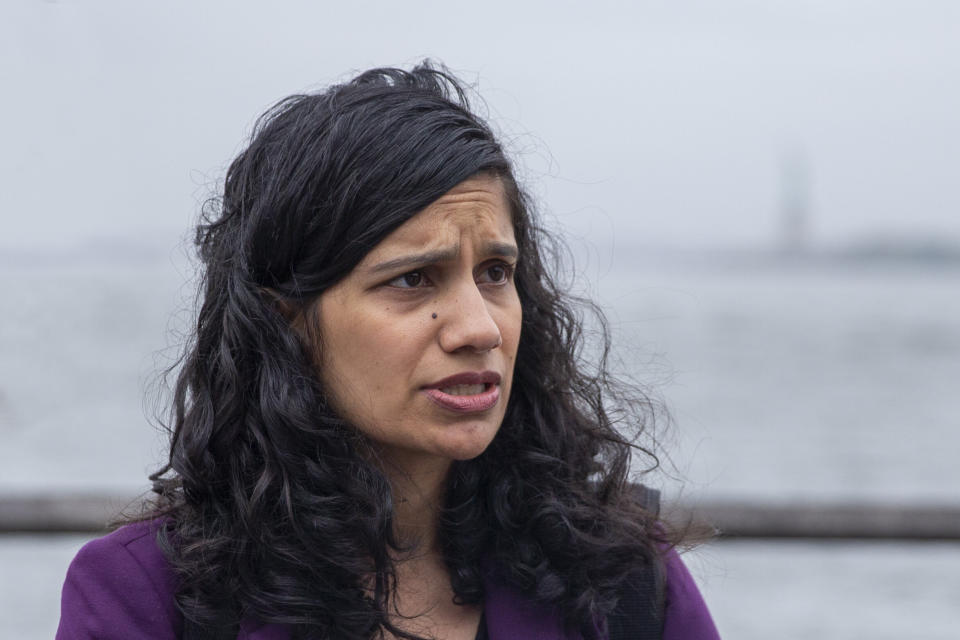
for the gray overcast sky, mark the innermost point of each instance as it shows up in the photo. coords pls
(662, 122)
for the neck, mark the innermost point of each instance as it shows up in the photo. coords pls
(419, 488)
(423, 599)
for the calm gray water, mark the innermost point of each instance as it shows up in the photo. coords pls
(781, 382)
(833, 383)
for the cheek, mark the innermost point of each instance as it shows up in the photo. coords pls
(370, 356)
(511, 325)
(348, 373)
(511, 322)
(352, 350)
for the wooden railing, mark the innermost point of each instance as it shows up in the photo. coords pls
(87, 513)
(807, 519)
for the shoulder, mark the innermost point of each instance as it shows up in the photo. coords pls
(685, 612)
(120, 586)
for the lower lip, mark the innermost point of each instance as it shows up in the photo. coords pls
(465, 404)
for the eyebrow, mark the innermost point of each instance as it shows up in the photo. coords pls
(502, 249)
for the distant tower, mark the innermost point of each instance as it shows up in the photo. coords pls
(794, 203)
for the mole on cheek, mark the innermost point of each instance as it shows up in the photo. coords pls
(434, 316)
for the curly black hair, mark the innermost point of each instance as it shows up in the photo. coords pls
(271, 510)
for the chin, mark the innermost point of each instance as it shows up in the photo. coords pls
(468, 447)
(468, 453)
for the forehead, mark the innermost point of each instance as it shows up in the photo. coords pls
(476, 208)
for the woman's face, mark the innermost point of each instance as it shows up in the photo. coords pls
(418, 342)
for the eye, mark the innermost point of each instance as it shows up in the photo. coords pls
(410, 280)
(498, 273)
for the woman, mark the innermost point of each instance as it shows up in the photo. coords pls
(383, 426)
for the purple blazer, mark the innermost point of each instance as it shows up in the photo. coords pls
(120, 586)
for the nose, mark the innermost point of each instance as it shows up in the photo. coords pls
(468, 323)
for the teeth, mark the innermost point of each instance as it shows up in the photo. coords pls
(464, 389)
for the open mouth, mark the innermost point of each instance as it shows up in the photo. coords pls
(465, 389)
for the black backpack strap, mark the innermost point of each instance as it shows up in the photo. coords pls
(195, 631)
(191, 630)
(640, 607)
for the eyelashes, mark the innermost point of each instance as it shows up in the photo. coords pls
(504, 271)
(498, 273)
(410, 280)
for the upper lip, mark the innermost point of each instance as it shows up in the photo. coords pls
(467, 377)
